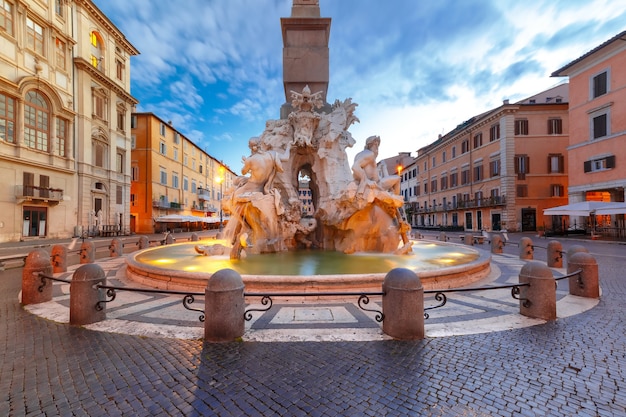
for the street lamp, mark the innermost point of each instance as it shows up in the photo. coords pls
(220, 181)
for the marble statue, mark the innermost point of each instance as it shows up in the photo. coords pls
(356, 206)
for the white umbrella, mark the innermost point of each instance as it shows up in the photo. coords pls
(178, 218)
(612, 208)
(583, 208)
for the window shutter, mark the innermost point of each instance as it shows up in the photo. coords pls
(610, 161)
(587, 166)
(561, 163)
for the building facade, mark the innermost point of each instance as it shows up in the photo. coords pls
(172, 175)
(56, 58)
(597, 151)
(497, 170)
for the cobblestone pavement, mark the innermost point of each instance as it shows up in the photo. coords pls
(573, 366)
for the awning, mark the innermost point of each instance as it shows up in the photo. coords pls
(586, 208)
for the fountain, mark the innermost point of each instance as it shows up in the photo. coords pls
(356, 207)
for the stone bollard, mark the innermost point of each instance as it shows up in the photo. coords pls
(87, 253)
(84, 296)
(169, 239)
(443, 237)
(403, 305)
(575, 249)
(116, 248)
(538, 300)
(585, 284)
(58, 255)
(468, 239)
(37, 261)
(526, 250)
(555, 254)
(224, 307)
(497, 245)
(143, 242)
(195, 237)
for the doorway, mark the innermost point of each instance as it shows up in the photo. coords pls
(34, 221)
(529, 220)
(468, 221)
(496, 221)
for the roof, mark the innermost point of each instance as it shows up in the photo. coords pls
(561, 71)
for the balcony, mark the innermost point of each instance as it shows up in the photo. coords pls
(461, 205)
(32, 193)
(204, 195)
(164, 204)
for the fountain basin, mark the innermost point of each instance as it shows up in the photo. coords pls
(179, 267)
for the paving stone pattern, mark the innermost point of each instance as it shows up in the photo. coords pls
(575, 366)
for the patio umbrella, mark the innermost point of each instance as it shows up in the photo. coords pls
(582, 208)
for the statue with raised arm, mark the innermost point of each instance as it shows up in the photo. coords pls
(262, 166)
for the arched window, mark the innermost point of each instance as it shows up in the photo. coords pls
(36, 121)
(97, 53)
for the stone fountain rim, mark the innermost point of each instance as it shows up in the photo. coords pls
(441, 278)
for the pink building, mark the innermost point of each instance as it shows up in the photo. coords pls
(597, 117)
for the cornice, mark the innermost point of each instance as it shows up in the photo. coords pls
(86, 66)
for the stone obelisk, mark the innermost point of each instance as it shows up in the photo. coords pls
(305, 51)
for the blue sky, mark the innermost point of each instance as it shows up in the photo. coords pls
(415, 68)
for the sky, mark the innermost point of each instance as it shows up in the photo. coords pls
(416, 69)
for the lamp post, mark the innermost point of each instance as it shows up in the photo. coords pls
(220, 181)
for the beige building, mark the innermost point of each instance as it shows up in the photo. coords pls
(495, 171)
(173, 176)
(64, 120)
(596, 152)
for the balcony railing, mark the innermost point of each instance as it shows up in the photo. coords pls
(33, 192)
(461, 205)
(164, 204)
(204, 194)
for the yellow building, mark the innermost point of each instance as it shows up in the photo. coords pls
(64, 120)
(172, 175)
(497, 170)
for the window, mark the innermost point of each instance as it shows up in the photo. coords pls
(36, 121)
(176, 138)
(162, 148)
(444, 183)
(433, 186)
(600, 164)
(599, 126)
(454, 152)
(99, 154)
(163, 176)
(478, 140)
(443, 156)
(61, 137)
(522, 190)
(465, 146)
(133, 141)
(185, 184)
(193, 186)
(494, 132)
(416, 190)
(97, 55)
(60, 54)
(465, 176)
(478, 172)
(121, 119)
(434, 162)
(134, 173)
(599, 85)
(58, 7)
(7, 118)
(119, 162)
(99, 103)
(556, 163)
(175, 154)
(494, 168)
(185, 162)
(175, 183)
(34, 36)
(557, 190)
(555, 126)
(133, 121)
(454, 179)
(162, 129)
(119, 192)
(6, 16)
(521, 127)
(200, 169)
(425, 188)
(522, 164)
(119, 69)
